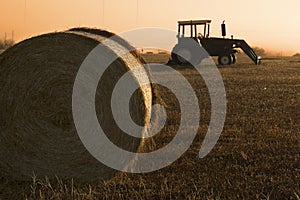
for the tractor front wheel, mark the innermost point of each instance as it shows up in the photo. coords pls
(225, 60)
(233, 58)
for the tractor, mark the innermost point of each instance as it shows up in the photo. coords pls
(192, 43)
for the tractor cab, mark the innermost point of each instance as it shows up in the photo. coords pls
(194, 29)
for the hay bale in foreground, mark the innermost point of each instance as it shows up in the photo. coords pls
(37, 132)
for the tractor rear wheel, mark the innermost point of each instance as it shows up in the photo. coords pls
(225, 60)
(185, 52)
(189, 52)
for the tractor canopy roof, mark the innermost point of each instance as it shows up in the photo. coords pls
(194, 22)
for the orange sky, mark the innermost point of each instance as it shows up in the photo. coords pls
(269, 24)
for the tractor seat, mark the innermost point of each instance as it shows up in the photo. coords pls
(200, 36)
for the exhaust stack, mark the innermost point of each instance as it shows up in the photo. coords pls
(223, 28)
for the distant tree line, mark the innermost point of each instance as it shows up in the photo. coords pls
(4, 44)
(297, 55)
(260, 51)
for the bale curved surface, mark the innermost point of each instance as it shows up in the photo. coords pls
(37, 133)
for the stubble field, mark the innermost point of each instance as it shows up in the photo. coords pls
(256, 157)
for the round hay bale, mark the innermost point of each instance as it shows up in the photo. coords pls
(37, 132)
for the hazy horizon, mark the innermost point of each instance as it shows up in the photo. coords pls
(270, 25)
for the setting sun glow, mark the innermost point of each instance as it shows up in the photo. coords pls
(272, 25)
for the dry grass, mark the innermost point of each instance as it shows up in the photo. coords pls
(257, 156)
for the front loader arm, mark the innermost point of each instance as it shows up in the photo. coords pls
(248, 50)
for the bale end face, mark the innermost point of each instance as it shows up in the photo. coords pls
(37, 131)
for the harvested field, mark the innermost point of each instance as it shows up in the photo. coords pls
(156, 58)
(256, 157)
